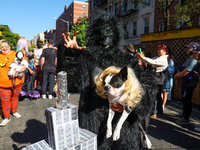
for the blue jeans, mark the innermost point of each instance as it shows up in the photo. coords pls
(47, 75)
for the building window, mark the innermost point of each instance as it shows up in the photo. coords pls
(125, 8)
(181, 2)
(84, 15)
(199, 21)
(134, 5)
(146, 25)
(106, 9)
(134, 28)
(110, 9)
(161, 27)
(116, 8)
(84, 6)
(147, 1)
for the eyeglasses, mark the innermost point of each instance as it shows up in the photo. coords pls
(162, 47)
(2, 47)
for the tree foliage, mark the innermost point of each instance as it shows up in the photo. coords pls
(81, 26)
(9, 35)
(32, 47)
(186, 12)
(183, 12)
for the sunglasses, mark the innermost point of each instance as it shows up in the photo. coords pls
(2, 47)
(162, 47)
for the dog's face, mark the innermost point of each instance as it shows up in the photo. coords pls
(114, 84)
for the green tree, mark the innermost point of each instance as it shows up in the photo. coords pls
(81, 26)
(186, 12)
(32, 47)
(7, 34)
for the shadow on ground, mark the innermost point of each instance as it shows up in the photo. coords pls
(34, 132)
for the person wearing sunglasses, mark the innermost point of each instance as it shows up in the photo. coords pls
(159, 65)
(9, 91)
(188, 80)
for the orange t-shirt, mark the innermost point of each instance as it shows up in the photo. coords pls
(5, 62)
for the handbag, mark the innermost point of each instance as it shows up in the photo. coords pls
(159, 77)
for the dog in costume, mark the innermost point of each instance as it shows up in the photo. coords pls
(104, 49)
(16, 65)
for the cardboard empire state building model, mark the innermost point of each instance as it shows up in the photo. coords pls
(62, 124)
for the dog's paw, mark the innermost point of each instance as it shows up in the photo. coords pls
(116, 134)
(109, 133)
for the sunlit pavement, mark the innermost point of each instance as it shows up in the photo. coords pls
(163, 132)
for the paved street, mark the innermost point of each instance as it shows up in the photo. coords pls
(163, 132)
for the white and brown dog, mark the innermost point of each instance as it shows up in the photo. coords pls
(119, 86)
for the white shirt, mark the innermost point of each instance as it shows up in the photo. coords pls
(160, 63)
(37, 54)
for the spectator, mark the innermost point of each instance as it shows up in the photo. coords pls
(130, 49)
(31, 92)
(37, 55)
(9, 93)
(188, 80)
(48, 64)
(22, 46)
(168, 82)
(160, 64)
(197, 74)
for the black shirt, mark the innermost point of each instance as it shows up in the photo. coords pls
(50, 55)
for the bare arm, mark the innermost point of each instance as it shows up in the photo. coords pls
(56, 62)
(42, 62)
(181, 74)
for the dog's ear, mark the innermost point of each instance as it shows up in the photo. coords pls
(123, 73)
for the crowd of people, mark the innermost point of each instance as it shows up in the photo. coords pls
(166, 75)
(24, 74)
(41, 70)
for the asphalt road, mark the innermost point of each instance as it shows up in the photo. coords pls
(163, 132)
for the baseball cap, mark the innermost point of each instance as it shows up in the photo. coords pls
(196, 49)
(192, 44)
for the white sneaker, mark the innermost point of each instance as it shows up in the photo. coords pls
(197, 129)
(17, 115)
(44, 96)
(5, 122)
(50, 97)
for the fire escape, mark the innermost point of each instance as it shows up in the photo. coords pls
(125, 13)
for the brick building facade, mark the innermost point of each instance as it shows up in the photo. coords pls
(70, 15)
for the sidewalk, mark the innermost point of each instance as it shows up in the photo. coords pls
(163, 132)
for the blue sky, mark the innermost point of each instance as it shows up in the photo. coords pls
(30, 17)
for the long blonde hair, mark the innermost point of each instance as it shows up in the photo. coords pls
(133, 88)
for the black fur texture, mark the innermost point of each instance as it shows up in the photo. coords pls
(93, 110)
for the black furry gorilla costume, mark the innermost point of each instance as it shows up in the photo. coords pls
(104, 49)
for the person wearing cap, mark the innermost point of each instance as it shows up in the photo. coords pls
(159, 64)
(188, 80)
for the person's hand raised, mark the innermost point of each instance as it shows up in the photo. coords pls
(72, 43)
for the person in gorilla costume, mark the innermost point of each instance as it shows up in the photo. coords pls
(104, 49)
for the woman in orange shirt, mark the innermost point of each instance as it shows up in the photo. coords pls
(9, 92)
